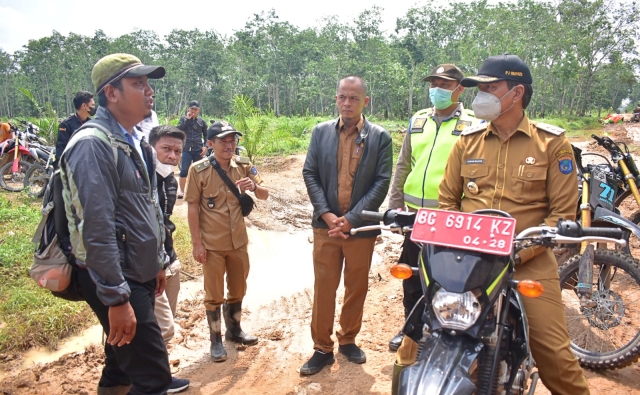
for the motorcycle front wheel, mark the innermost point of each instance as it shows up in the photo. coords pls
(36, 180)
(605, 331)
(11, 181)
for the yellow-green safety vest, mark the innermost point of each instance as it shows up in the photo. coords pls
(430, 148)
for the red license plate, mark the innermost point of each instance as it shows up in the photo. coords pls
(475, 232)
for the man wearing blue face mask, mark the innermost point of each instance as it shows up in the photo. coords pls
(422, 160)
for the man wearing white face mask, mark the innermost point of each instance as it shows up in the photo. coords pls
(422, 160)
(526, 169)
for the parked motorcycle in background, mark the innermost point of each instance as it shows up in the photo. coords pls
(12, 174)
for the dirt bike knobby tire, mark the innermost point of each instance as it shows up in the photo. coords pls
(24, 166)
(42, 175)
(625, 269)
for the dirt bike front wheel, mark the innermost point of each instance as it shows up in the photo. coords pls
(11, 181)
(36, 180)
(604, 330)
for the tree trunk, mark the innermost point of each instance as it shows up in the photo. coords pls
(413, 74)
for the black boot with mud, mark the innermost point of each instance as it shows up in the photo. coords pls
(218, 353)
(318, 361)
(232, 315)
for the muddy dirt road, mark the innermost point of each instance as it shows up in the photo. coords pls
(279, 315)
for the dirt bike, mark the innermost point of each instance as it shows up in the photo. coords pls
(599, 286)
(12, 174)
(38, 175)
(470, 328)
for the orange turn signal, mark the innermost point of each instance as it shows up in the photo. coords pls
(401, 271)
(530, 288)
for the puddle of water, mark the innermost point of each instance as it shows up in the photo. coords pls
(281, 265)
(93, 335)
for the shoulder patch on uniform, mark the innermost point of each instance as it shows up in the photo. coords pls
(418, 124)
(202, 164)
(474, 129)
(549, 128)
(243, 160)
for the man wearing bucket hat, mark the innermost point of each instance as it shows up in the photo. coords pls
(521, 167)
(115, 226)
(218, 233)
(422, 159)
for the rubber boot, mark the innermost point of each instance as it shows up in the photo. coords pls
(117, 390)
(218, 353)
(232, 314)
(395, 380)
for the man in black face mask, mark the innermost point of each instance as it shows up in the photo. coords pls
(85, 108)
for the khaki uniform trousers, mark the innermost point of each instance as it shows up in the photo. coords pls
(166, 304)
(235, 263)
(558, 367)
(330, 256)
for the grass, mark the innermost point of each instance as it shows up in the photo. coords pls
(29, 315)
(575, 127)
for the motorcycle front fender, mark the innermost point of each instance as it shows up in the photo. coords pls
(604, 215)
(442, 368)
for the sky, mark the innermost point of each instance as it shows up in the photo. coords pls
(24, 20)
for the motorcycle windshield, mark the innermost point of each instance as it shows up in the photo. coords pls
(461, 271)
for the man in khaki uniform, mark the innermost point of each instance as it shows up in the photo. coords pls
(528, 170)
(218, 232)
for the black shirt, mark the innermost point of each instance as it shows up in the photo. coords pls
(66, 128)
(196, 131)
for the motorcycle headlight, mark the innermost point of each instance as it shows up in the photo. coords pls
(456, 311)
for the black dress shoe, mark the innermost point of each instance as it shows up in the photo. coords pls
(395, 343)
(353, 353)
(316, 363)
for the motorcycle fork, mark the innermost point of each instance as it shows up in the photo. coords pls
(585, 207)
(503, 309)
(631, 180)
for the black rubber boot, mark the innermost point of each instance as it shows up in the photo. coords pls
(232, 314)
(395, 380)
(218, 353)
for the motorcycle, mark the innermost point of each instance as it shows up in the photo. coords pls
(470, 325)
(12, 174)
(599, 285)
(38, 175)
(635, 117)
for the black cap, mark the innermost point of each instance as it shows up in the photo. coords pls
(194, 103)
(498, 68)
(220, 129)
(446, 71)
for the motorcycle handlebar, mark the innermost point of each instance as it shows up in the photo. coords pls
(372, 216)
(612, 233)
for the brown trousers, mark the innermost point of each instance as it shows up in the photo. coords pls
(235, 264)
(558, 367)
(166, 304)
(330, 256)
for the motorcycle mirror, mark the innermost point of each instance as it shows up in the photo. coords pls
(401, 271)
(530, 288)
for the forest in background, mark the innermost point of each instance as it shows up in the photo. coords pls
(583, 55)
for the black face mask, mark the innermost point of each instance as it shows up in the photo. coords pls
(92, 111)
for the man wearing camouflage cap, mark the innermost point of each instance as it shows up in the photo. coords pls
(115, 226)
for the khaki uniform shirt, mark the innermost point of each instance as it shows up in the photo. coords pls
(222, 227)
(532, 176)
(348, 159)
(5, 132)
